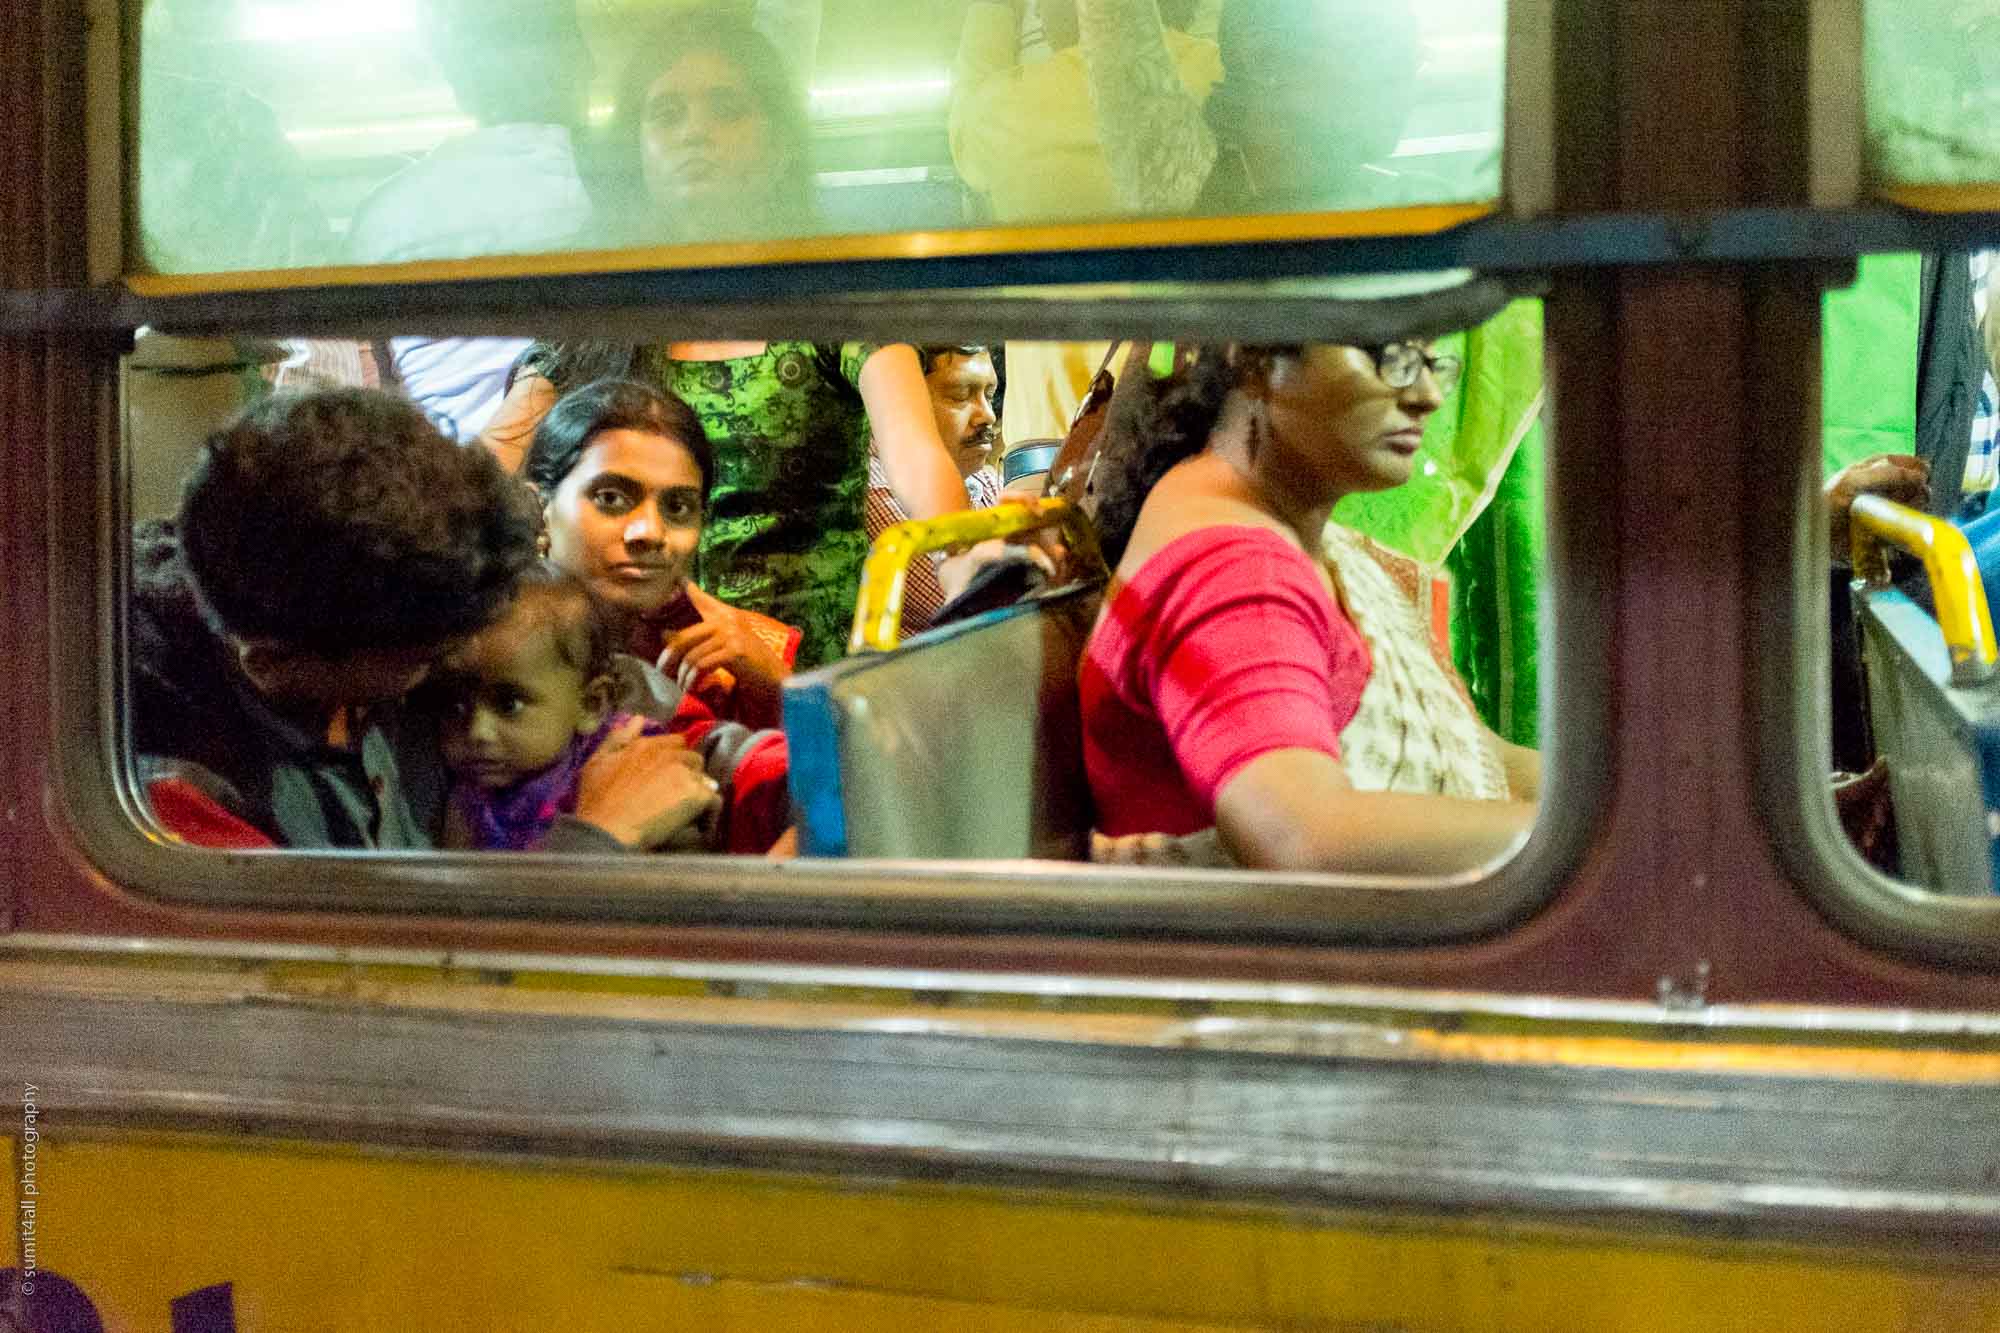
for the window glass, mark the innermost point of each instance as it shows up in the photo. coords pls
(1932, 92)
(342, 632)
(298, 133)
(1909, 418)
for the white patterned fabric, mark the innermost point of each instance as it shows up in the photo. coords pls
(1416, 730)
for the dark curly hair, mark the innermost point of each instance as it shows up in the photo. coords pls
(341, 519)
(1169, 421)
(612, 404)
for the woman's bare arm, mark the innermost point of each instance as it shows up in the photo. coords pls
(1296, 810)
(512, 429)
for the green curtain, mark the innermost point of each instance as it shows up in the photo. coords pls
(1468, 443)
(1868, 386)
(1496, 599)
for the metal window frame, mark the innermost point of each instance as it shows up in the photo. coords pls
(100, 802)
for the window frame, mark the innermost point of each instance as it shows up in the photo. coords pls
(103, 807)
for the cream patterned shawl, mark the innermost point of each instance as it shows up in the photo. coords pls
(1416, 730)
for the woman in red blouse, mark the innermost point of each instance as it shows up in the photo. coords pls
(1263, 672)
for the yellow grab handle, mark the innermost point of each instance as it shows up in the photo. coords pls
(1956, 590)
(878, 616)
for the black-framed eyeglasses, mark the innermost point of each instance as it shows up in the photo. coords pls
(1399, 364)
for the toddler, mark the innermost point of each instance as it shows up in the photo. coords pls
(522, 707)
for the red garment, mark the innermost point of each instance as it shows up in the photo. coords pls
(1223, 647)
(194, 817)
(759, 806)
(717, 688)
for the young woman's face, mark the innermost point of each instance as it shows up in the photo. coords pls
(1338, 427)
(627, 518)
(704, 140)
(513, 703)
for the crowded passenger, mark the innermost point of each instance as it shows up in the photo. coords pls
(708, 138)
(792, 425)
(522, 707)
(962, 383)
(1046, 125)
(329, 549)
(221, 185)
(1068, 109)
(624, 474)
(521, 71)
(707, 506)
(1283, 142)
(1262, 672)
(529, 700)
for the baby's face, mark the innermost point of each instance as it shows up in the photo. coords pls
(512, 704)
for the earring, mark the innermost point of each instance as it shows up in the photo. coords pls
(542, 543)
(1257, 433)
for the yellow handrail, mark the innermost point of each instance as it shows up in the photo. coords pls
(878, 616)
(1956, 591)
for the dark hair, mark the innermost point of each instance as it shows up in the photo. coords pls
(1169, 422)
(575, 362)
(340, 519)
(581, 415)
(930, 354)
(586, 631)
(657, 48)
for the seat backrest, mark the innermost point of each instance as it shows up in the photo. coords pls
(962, 743)
(1942, 746)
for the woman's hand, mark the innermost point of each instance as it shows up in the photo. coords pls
(724, 640)
(644, 790)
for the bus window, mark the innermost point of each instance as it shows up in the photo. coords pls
(312, 133)
(351, 626)
(1909, 429)
(1932, 96)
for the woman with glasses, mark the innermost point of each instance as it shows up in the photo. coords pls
(1261, 672)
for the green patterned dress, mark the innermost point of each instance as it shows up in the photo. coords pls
(783, 534)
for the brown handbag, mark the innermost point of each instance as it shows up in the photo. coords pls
(1076, 462)
(1074, 474)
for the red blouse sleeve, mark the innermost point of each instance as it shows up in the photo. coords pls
(1247, 654)
(198, 819)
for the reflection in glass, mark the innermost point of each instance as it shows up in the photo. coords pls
(294, 133)
(1932, 87)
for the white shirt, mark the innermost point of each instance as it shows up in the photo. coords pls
(511, 189)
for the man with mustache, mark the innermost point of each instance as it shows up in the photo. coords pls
(963, 384)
